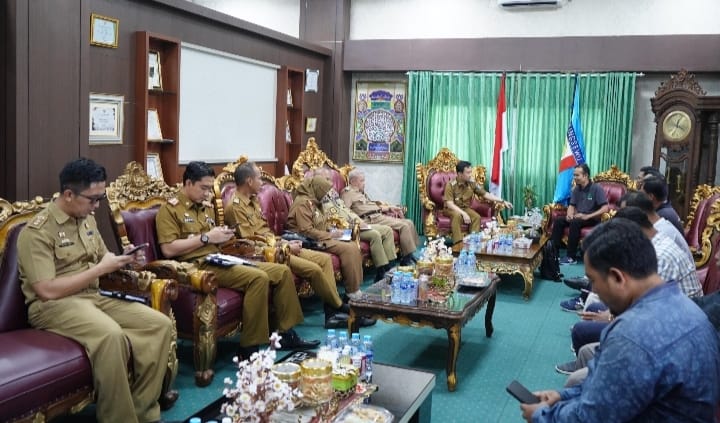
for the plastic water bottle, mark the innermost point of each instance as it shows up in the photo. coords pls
(342, 340)
(369, 356)
(407, 288)
(331, 340)
(354, 343)
(460, 264)
(195, 420)
(395, 288)
(470, 265)
(412, 291)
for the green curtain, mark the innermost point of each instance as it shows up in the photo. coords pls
(457, 110)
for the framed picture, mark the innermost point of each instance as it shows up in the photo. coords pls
(379, 121)
(154, 133)
(310, 125)
(311, 80)
(154, 72)
(104, 31)
(153, 167)
(106, 118)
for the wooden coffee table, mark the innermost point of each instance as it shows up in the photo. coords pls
(451, 316)
(518, 261)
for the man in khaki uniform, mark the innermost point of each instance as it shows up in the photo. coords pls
(61, 255)
(458, 196)
(306, 218)
(187, 232)
(245, 214)
(357, 200)
(380, 237)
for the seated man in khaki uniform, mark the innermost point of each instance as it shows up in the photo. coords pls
(380, 237)
(246, 216)
(187, 232)
(358, 201)
(458, 196)
(61, 255)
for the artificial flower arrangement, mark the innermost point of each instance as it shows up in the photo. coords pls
(258, 393)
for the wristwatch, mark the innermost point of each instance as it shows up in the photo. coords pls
(204, 239)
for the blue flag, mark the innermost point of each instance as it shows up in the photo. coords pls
(573, 153)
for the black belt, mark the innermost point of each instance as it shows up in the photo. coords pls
(369, 214)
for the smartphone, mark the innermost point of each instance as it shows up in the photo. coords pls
(521, 393)
(136, 248)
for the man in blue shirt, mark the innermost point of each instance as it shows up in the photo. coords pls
(657, 361)
(587, 205)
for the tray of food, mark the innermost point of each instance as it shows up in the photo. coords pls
(477, 280)
(364, 413)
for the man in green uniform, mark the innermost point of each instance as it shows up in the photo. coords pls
(458, 196)
(245, 214)
(380, 237)
(357, 200)
(187, 232)
(61, 255)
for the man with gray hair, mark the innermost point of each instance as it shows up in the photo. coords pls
(370, 211)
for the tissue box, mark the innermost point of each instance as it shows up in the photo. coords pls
(523, 243)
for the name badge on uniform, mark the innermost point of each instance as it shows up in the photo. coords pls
(187, 218)
(66, 242)
(90, 232)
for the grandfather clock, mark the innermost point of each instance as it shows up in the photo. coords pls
(686, 137)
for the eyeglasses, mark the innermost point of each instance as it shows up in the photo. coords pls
(93, 198)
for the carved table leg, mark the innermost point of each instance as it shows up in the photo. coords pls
(527, 275)
(453, 349)
(489, 310)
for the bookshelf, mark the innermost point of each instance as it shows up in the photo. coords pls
(160, 93)
(290, 119)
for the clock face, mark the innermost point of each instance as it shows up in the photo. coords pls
(676, 126)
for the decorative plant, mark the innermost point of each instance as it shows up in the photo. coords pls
(257, 392)
(529, 196)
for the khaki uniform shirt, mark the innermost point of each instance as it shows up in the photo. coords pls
(55, 244)
(359, 202)
(245, 212)
(461, 193)
(180, 218)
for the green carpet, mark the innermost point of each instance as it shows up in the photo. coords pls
(530, 338)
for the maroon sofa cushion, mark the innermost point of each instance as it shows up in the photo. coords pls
(693, 234)
(275, 204)
(140, 227)
(39, 367)
(13, 313)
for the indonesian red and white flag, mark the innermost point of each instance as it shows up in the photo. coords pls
(501, 142)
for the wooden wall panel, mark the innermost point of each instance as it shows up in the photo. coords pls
(53, 69)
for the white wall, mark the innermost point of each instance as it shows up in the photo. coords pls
(399, 19)
(279, 15)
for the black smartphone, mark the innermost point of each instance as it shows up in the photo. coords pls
(521, 393)
(136, 249)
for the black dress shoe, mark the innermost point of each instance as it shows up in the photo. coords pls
(365, 321)
(244, 353)
(292, 341)
(408, 260)
(336, 321)
(578, 283)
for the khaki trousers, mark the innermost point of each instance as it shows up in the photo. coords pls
(104, 326)
(409, 239)
(350, 262)
(316, 267)
(255, 283)
(456, 220)
(382, 244)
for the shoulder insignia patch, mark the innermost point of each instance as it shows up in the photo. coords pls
(38, 220)
(173, 201)
(453, 182)
(236, 200)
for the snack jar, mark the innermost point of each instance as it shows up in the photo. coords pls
(316, 381)
(288, 373)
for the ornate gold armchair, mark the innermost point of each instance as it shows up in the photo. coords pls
(432, 178)
(708, 255)
(310, 159)
(51, 375)
(202, 311)
(613, 181)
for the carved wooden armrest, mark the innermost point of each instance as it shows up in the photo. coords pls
(157, 291)
(186, 274)
(428, 204)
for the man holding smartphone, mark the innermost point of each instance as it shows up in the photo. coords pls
(61, 255)
(245, 215)
(658, 361)
(187, 232)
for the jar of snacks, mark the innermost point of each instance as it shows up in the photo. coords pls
(316, 381)
(288, 373)
(344, 377)
(443, 266)
(424, 267)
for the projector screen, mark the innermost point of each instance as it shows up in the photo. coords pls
(227, 106)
